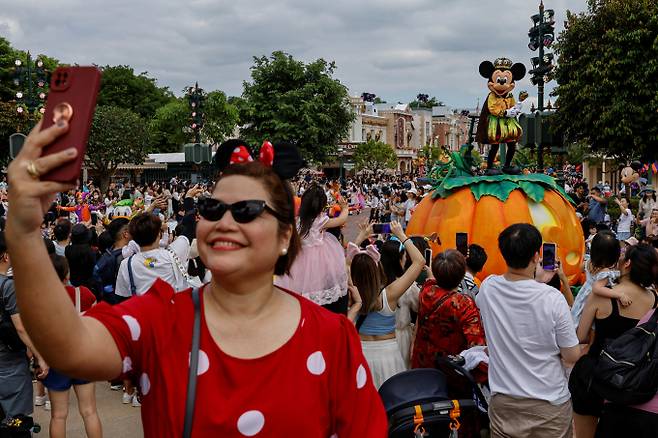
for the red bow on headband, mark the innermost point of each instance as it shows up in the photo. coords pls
(241, 154)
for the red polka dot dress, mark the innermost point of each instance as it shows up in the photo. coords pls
(316, 385)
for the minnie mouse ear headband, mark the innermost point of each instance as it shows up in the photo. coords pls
(353, 250)
(284, 158)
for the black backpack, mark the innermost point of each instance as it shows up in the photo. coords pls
(107, 270)
(627, 369)
(8, 334)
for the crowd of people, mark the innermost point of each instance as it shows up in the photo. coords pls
(271, 306)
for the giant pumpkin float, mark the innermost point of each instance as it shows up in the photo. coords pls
(483, 206)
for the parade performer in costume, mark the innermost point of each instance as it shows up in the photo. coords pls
(82, 209)
(498, 122)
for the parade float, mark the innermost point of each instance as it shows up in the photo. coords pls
(484, 205)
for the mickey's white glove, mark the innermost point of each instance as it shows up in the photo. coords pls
(512, 112)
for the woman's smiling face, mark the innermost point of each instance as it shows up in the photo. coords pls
(228, 247)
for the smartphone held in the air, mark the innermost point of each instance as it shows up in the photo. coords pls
(462, 243)
(428, 256)
(381, 228)
(72, 98)
(548, 252)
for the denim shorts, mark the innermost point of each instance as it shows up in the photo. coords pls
(56, 381)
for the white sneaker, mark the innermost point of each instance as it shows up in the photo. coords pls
(126, 398)
(46, 406)
(40, 400)
(118, 387)
(135, 401)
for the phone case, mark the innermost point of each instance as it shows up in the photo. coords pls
(72, 95)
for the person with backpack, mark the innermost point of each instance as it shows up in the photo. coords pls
(106, 269)
(636, 420)
(15, 348)
(639, 269)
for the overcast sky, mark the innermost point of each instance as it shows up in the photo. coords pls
(393, 48)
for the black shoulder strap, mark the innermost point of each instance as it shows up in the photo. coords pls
(133, 287)
(655, 299)
(194, 364)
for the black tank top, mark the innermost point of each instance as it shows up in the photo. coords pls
(613, 326)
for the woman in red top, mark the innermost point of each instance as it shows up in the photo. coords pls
(270, 362)
(448, 322)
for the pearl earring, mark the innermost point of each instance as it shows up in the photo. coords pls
(284, 251)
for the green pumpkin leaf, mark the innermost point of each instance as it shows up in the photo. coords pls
(532, 191)
(500, 190)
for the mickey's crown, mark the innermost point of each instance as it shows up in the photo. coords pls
(503, 64)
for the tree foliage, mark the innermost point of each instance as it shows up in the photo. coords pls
(608, 78)
(374, 155)
(10, 122)
(288, 100)
(221, 118)
(168, 129)
(122, 88)
(118, 135)
(424, 101)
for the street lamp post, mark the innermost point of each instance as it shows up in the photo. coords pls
(542, 35)
(31, 78)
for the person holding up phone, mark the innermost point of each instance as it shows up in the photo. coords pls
(377, 319)
(260, 350)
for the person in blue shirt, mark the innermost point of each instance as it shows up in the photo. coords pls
(597, 206)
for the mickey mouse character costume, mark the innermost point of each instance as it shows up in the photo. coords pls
(498, 124)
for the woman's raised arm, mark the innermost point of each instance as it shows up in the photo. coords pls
(74, 345)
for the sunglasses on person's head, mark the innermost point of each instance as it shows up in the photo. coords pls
(242, 211)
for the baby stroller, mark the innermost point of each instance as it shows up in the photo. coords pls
(418, 403)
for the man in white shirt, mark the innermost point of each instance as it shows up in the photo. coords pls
(529, 332)
(152, 261)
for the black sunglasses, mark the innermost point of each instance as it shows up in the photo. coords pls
(242, 211)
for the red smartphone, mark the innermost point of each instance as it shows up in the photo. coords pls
(72, 97)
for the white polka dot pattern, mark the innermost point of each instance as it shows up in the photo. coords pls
(316, 364)
(204, 362)
(144, 383)
(127, 364)
(133, 325)
(361, 377)
(251, 423)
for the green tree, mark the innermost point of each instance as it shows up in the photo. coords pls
(424, 101)
(221, 118)
(10, 122)
(608, 78)
(374, 155)
(123, 88)
(288, 100)
(168, 129)
(118, 135)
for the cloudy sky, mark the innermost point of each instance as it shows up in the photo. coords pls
(393, 48)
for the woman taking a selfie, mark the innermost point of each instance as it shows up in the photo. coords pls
(268, 363)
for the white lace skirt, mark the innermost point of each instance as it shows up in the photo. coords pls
(384, 359)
